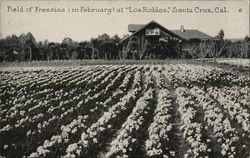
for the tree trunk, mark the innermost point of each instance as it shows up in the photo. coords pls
(98, 55)
(30, 50)
(93, 53)
(105, 55)
(50, 54)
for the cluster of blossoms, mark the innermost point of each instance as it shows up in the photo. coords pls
(169, 73)
(63, 106)
(23, 78)
(113, 79)
(126, 80)
(75, 76)
(14, 85)
(90, 76)
(148, 77)
(109, 86)
(137, 80)
(64, 112)
(192, 130)
(160, 127)
(104, 73)
(25, 101)
(121, 89)
(26, 111)
(21, 103)
(225, 134)
(201, 75)
(35, 119)
(240, 94)
(233, 107)
(83, 76)
(158, 79)
(107, 78)
(71, 128)
(90, 137)
(59, 79)
(93, 99)
(66, 131)
(54, 79)
(19, 114)
(124, 141)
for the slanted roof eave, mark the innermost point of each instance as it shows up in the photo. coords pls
(147, 25)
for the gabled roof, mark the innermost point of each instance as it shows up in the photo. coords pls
(187, 34)
(142, 27)
(192, 34)
(135, 27)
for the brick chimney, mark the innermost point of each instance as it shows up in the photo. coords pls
(182, 28)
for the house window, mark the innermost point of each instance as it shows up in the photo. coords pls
(153, 32)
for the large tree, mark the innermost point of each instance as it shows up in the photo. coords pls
(71, 48)
(27, 41)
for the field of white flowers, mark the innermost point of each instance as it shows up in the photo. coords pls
(233, 61)
(239, 62)
(108, 111)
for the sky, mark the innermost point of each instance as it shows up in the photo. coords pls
(81, 26)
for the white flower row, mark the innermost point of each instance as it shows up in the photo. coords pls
(24, 78)
(192, 131)
(103, 74)
(160, 127)
(13, 111)
(53, 77)
(109, 77)
(121, 89)
(108, 87)
(148, 81)
(234, 108)
(76, 98)
(23, 96)
(29, 118)
(56, 79)
(122, 144)
(187, 74)
(86, 76)
(70, 76)
(90, 137)
(67, 130)
(72, 127)
(51, 109)
(221, 126)
(169, 73)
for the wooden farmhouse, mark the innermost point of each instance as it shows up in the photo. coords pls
(155, 41)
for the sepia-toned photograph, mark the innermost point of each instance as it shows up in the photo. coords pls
(124, 79)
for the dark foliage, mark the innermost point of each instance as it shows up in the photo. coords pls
(26, 48)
